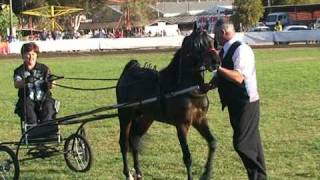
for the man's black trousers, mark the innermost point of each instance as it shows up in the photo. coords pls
(246, 138)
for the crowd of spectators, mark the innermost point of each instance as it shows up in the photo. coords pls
(4, 46)
(45, 34)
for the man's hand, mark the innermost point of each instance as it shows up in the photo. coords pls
(216, 64)
(205, 87)
(50, 84)
(214, 81)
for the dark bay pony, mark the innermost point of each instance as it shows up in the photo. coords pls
(138, 83)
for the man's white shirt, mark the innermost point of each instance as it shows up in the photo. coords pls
(244, 63)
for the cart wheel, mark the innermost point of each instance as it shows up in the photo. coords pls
(77, 153)
(9, 165)
(82, 132)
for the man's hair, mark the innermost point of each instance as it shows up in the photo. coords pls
(226, 25)
(31, 46)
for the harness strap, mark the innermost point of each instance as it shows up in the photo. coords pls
(92, 79)
(84, 89)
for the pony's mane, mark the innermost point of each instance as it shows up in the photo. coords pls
(174, 64)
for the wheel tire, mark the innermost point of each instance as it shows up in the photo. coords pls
(77, 153)
(7, 164)
(82, 132)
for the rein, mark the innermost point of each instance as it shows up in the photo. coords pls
(54, 77)
(92, 79)
(84, 89)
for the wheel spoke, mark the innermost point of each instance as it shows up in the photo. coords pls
(78, 153)
(2, 175)
(9, 165)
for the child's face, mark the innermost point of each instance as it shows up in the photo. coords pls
(30, 58)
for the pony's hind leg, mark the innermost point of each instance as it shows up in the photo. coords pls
(138, 129)
(205, 132)
(182, 131)
(124, 143)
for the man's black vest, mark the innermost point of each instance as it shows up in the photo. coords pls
(230, 92)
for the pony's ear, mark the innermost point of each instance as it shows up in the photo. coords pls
(195, 27)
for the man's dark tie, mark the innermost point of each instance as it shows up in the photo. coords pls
(221, 53)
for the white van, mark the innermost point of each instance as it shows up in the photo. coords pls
(272, 18)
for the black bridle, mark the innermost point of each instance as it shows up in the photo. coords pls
(199, 69)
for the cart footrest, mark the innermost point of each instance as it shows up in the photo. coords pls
(55, 138)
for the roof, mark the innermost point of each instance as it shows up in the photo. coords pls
(176, 8)
(177, 12)
(116, 8)
(107, 13)
(296, 7)
(185, 19)
(97, 25)
(179, 19)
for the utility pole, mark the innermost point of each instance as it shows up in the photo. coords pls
(11, 20)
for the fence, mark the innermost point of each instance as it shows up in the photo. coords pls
(251, 38)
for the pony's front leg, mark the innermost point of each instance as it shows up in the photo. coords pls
(182, 131)
(205, 132)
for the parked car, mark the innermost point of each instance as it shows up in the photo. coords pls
(260, 29)
(295, 28)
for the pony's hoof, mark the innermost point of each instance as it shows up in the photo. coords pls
(130, 177)
(205, 177)
(138, 177)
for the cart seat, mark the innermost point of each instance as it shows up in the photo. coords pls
(42, 134)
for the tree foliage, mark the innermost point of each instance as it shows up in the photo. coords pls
(140, 14)
(21, 5)
(5, 20)
(138, 9)
(248, 12)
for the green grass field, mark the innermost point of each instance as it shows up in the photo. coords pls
(289, 86)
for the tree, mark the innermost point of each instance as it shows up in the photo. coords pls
(140, 13)
(21, 5)
(5, 21)
(248, 12)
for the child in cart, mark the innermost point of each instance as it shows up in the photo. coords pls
(35, 104)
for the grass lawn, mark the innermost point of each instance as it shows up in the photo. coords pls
(289, 86)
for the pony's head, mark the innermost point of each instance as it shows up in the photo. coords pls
(196, 53)
(197, 50)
